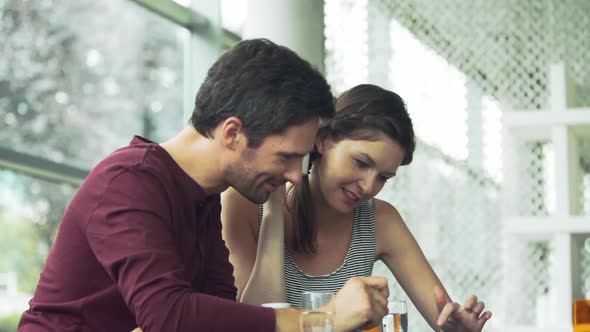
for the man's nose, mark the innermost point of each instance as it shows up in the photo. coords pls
(293, 173)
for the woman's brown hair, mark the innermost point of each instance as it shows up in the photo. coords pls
(362, 113)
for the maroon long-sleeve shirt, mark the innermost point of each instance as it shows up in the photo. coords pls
(140, 245)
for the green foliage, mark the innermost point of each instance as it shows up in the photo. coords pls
(22, 251)
(9, 323)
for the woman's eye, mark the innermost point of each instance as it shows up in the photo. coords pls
(361, 164)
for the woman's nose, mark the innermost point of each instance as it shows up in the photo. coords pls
(368, 184)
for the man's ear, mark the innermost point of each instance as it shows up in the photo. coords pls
(321, 141)
(232, 132)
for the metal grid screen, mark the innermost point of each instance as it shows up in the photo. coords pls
(452, 201)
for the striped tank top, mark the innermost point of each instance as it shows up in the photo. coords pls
(358, 261)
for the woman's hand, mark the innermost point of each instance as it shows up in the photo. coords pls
(455, 318)
(274, 205)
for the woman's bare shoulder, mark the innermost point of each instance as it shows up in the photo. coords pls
(236, 208)
(385, 213)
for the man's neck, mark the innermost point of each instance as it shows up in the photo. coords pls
(199, 158)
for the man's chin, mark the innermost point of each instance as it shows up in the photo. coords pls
(257, 198)
(263, 198)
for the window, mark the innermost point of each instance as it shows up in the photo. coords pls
(77, 80)
(75, 85)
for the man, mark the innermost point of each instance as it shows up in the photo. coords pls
(140, 243)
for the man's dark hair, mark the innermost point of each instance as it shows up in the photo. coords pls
(267, 86)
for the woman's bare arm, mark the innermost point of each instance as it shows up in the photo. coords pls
(399, 250)
(258, 265)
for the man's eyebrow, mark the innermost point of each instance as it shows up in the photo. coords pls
(372, 163)
(291, 155)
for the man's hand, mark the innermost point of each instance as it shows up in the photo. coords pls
(455, 318)
(361, 303)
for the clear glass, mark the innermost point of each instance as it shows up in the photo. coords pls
(397, 319)
(313, 301)
(314, 317)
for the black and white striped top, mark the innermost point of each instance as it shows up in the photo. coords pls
(359, 260)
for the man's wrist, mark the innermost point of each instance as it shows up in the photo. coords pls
(287, 320)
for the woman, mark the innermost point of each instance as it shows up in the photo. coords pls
(330, 227)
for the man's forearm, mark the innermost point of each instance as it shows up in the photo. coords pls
(287, 320)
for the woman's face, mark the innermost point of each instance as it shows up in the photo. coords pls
(353, 171)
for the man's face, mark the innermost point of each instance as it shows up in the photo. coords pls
(260, 171)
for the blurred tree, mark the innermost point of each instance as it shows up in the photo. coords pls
(77, 80)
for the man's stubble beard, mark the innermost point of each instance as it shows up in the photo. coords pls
(243, 179)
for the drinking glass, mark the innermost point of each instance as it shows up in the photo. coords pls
(397, 319)
(314, 317)
(313, 301)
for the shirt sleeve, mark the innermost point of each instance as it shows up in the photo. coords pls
(131, 238)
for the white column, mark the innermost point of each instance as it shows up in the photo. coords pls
(511, 166)
(561, 140)
(560, 295)
(201, 51)
(514, 275)
(297, 24)
(561, 257)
